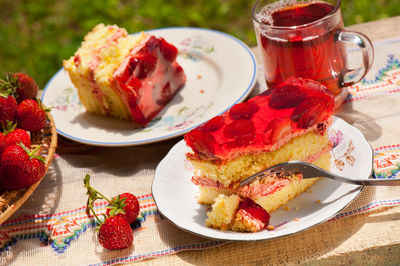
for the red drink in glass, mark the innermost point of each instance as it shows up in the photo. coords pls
(306, 39)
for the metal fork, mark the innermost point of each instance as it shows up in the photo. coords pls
(310, 171)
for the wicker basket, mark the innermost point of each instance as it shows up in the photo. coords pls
(10, 201)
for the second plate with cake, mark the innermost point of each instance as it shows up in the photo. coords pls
(175, 194)
(221, 71)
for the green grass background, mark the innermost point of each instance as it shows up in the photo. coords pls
(35, 36)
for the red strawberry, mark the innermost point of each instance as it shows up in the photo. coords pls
(26, 87)
(11, 136)
(312, 111)
(243, 110)
(18, 136)
(292, 91)
(8, 108)
(168, 50)
(2, 144)
(146, 64)
(314, 89)
(31, 116)
(165, 94)
(127, 66)
(240, 129)
(21, 86)
(115, 233)
(279, 127)
(126, 206)
(255, 210)
(201, 142)
(20, 167)
(288, 94)
(213, 125)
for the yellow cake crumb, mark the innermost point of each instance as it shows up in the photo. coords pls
(223, 210)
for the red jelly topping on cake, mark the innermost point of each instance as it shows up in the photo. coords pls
(264, 122)
(243, 110)
(149, 78)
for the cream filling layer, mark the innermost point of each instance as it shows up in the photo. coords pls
(265, 187)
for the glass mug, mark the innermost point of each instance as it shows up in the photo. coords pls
(306, 39)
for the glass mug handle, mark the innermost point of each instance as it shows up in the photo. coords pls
(350, 76)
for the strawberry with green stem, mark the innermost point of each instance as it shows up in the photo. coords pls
(124, 205)
(8, 107)
(31, 115)
(12, 135)
(22, 86)
(20, 167)
(114, 232)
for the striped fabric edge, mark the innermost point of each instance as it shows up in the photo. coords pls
(364, 209)
(156, 254)
(369, 207)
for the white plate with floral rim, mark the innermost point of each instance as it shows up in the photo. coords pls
(175, 194)
(221, 71)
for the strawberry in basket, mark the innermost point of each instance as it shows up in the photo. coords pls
(12, 135)
(20, 113)
(20, 167)
(31, 115)
(21, 85)
(8, 107)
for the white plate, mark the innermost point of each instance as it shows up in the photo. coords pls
(175, 194)
(221, 71)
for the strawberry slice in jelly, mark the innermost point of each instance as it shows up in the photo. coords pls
(240, 130)
(145, 65)
(292, 91)
(279, 128)
(312, 111)
(286, 95)
(169, 51)
(213, 125)
(243, 110)
(255, 210)
(127, 70)
(315, 89)
(201, 142)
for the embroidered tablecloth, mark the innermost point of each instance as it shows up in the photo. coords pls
(52, 227)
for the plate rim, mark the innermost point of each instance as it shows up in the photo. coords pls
(356, 193)
(245, 93)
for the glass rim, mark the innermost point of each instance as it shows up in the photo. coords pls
(328, 16)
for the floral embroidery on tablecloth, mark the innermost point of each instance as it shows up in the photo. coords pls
(387, 162)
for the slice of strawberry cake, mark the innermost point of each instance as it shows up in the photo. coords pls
(130, 77)
(288, 122)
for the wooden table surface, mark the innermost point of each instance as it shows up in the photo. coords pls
(370, 238)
